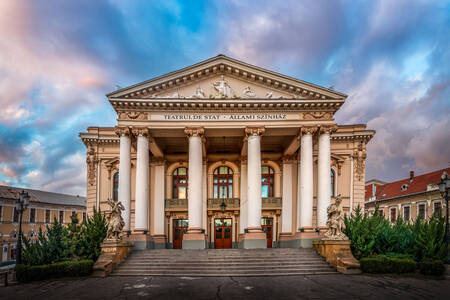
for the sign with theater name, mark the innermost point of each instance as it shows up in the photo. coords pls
(224, 117)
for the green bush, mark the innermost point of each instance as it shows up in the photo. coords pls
(72, 242)
(25, 273)
(374, 235)
(386, 264)
(432, 267)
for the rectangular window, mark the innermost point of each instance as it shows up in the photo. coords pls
(1, 213)
(406, 213)
(381, 212)
(15, 215)
(84, 217)
(47, 216)
(437, 209)
(32, 215)
(61, 216)
(421, 213)
(393, 214)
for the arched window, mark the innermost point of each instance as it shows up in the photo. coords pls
(180, 183)
(333, 180)
(116, 186)
(267, 178)
(223, 182)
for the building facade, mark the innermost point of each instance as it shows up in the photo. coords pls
(225, 154)
(409, 198)
(44, 207)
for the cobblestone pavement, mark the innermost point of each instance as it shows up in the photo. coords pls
(282, 287)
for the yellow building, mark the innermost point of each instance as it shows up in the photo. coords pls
(409, 198)
(224, 154)
(43, 208)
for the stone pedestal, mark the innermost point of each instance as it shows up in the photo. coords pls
(338, 254)
(113, 252)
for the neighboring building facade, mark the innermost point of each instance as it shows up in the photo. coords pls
(43, 208)
(211, 156)
(409, 198)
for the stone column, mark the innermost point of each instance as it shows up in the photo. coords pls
(324, 175)
(158, 214)
(195, 237)
(125, 174)
(286, 211)
(243, 196)
(306, 179)
(142, 180)
(255, 238)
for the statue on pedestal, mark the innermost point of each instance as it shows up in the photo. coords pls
(115, 221)
(335, 222)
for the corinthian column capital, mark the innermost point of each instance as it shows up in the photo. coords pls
(194, 131)
(140, 131)
(122, 130)
(308, 129)
(328, 128)
(255, 130)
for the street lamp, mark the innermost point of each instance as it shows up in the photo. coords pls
(444, 188)
(223, 206)
(21, 205)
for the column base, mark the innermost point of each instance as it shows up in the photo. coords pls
(255, 238)
(194, 239)
(159, 241)
(287, 240)
(140, 239)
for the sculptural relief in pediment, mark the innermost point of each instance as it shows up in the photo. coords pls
(222, 87)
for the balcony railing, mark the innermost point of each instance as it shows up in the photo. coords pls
(214, 203)
(271, 202)
(176, 203)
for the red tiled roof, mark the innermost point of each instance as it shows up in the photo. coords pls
(417, 185)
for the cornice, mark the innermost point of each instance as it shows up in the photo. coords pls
(315, 107)
(365, 136)
(90, 139)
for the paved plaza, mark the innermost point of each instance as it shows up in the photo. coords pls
(335, 286)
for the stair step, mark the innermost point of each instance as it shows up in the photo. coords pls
(224, 262)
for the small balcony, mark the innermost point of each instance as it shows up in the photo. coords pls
(232, 203)
(271, 202)
(176, 204)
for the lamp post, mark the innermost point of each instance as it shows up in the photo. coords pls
(444, 188)
(21, 205)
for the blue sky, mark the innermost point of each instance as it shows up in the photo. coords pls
(58, 59)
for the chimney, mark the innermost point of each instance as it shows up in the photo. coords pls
(411, 176)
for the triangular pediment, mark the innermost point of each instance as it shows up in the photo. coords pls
(222, 77)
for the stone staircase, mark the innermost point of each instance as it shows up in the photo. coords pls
(224, 262)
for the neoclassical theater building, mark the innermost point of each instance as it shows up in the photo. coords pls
(223, 154)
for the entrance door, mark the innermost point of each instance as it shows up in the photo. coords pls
(223, 233)
(178, 229)
(267, 226)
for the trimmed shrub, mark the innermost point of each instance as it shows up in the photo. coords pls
(432, 267)
(25, 273)
(386, 264)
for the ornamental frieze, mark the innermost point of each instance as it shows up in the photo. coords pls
(133, 115)
(317, 115)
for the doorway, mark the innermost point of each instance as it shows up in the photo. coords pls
(179, 226)
(267, 227)
(223, 233)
